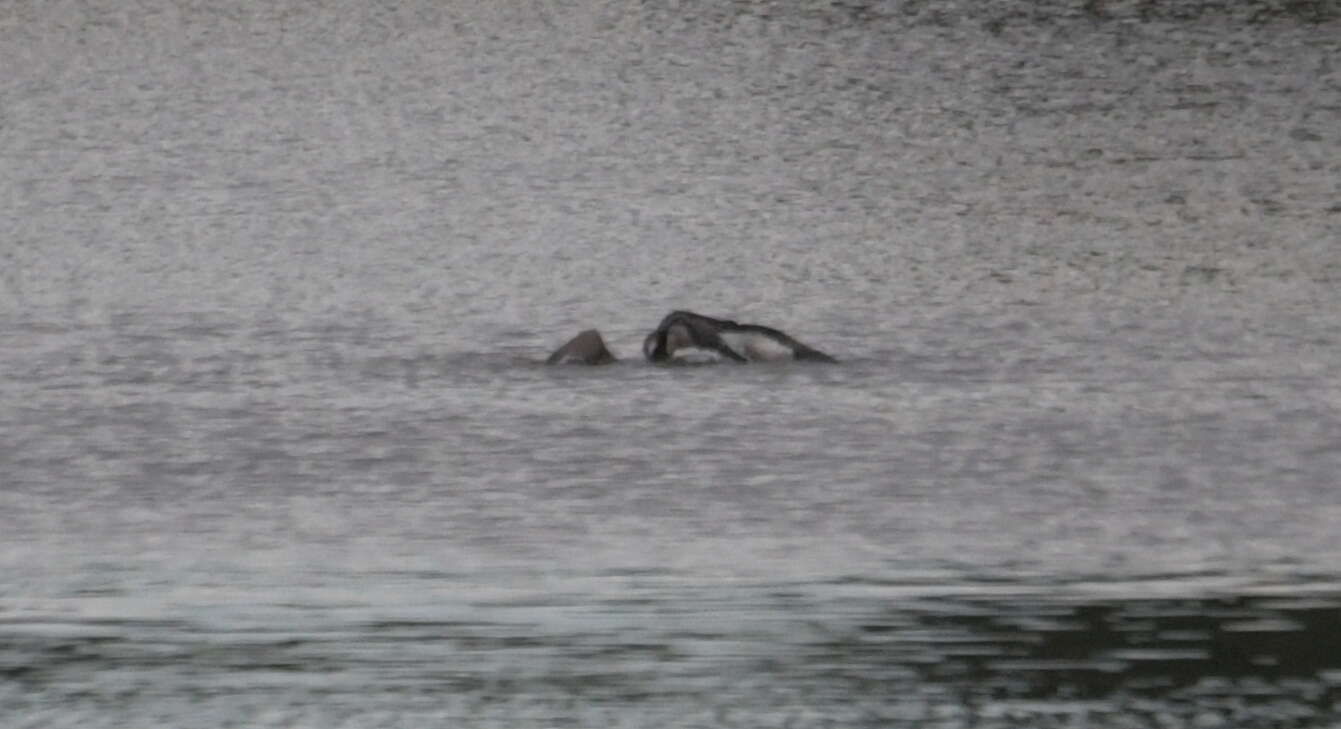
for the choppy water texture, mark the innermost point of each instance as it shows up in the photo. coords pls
(276, 448)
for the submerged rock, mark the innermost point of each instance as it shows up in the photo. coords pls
(586, 348)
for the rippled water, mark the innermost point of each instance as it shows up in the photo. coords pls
(277, 449)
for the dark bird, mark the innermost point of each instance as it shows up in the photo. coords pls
(684, 331)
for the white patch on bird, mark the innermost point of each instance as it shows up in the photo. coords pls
(695, 355)
(756, 347)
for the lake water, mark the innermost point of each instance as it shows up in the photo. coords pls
(277, 449)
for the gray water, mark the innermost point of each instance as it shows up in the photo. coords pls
(277, 449)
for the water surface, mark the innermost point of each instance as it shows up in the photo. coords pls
(277, 449)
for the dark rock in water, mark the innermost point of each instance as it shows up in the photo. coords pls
(586, 348)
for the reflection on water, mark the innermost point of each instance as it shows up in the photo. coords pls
(875, 654)
(1183, 656)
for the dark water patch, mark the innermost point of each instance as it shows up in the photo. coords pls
(1166, 649)
(1018, 658)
